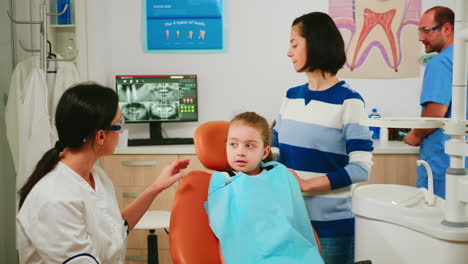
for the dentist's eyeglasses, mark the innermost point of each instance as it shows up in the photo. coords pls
(118, 127)
(426, 30)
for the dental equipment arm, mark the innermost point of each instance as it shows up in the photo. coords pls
(415, 136)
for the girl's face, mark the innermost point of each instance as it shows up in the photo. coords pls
(245, 148)
(297, 49)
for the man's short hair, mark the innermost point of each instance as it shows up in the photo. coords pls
(442, 15)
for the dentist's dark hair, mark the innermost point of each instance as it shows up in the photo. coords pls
(325, 45)
(82, 110)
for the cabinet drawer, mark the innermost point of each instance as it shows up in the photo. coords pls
(394, 169)
(135, 170)
(126, 194)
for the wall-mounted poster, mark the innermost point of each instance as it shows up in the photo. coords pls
(184, 25)
(381, 37)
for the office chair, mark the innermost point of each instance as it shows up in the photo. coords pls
(191, 240)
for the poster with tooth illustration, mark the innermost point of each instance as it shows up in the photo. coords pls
(381, 37)
(183, 25)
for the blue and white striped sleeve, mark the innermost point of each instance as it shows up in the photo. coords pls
(277, 125)
(359, 146)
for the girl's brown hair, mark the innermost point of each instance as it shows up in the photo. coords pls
(258, 122)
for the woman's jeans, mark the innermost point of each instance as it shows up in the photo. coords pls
(338, 250)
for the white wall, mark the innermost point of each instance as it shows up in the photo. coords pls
(253, 73)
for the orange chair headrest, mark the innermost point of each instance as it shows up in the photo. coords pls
(210, 144)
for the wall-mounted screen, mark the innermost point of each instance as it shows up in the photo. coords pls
(158, 98)
(148, 98)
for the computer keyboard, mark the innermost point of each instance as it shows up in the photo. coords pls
(177, 141)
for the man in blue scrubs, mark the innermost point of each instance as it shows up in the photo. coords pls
(436, 34)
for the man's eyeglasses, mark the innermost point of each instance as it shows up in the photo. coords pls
(119, 126)
(426, 30)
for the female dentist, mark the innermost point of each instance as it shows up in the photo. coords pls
(68, 208)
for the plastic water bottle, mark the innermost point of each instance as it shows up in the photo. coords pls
(375, 130)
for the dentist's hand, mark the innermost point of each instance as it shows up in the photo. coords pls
(412, 139)
(170, 174)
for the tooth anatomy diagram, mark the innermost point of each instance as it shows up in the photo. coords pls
(380, 35)
(372, 19)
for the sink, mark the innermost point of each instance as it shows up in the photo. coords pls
(388, 199)
(394, 224)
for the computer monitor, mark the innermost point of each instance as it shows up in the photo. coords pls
(155, 99)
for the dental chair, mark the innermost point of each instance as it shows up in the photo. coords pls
(191, 240)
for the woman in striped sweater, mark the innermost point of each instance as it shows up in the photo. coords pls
(319, 135)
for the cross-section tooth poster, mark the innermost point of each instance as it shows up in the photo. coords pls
(381, 37)
(184, 25)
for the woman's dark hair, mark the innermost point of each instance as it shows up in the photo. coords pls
(325, 45)
(258, 122)
(82, 110)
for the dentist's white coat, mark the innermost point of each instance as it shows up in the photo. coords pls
(63, 220)
(30, 110)
(35, 130)
(14, 106)
(67, 75)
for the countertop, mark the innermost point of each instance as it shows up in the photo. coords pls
(380, 147)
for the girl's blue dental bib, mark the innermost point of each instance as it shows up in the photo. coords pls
(261, 219)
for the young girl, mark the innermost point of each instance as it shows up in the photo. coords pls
(256, 209)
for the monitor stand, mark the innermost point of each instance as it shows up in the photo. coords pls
(157, 139)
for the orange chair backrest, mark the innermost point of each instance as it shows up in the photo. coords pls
(191, 240)
(210, 144)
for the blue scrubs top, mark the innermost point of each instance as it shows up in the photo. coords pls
(437, 88)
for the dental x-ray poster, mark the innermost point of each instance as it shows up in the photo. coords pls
(184, 25)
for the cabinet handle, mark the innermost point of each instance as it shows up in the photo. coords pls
(138, 162)
(130, 195)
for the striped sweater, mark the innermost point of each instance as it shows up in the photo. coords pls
(318, 133)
